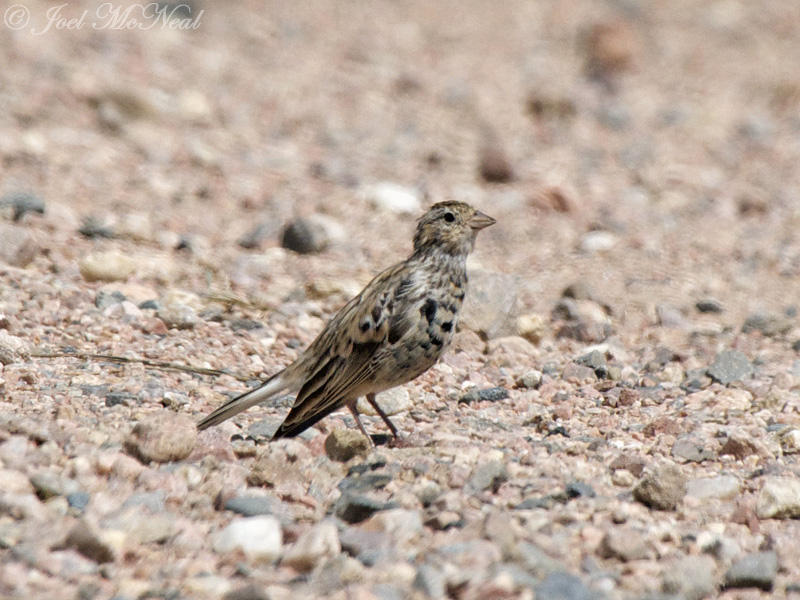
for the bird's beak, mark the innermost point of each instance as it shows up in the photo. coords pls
(480, 220)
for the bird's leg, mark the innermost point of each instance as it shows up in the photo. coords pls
(383, 415)
(354, 412)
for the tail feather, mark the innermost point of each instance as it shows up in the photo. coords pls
(270, 388)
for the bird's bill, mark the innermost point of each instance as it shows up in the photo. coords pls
(480, 220)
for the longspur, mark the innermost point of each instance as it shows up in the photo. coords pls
(389, 334)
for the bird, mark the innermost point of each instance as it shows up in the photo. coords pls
(389, 334)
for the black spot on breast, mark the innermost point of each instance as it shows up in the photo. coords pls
(426, 345)
(364, 326)
(447, 326)
(404, 286)
(376, 312)
(429, 309)
(436, 340)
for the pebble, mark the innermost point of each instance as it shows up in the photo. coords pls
(625, 544)
(162, 437)
(768, 325)
(779, 499)
(344, 443)
(494, 165)
(176, 315)
(730, 366)
(598, 241)
(393, 198)
(251, 506)
(790, 441)
(532, 327)
(49, 485)
(709, 305)
(354, 508)
(430, 580)
(107, 266)
(313, 546)
(753, 570)
(87, 541)
(691, 448)
(309, 235)
(722, 487)
(393, 401)
(661, 488)
(564, 586)
(251, 591)
(23, 203)
(487, 476)
(492, 394)
(691, 577)
(12, 348)
(17, 245)
(259, 538)
(78, 500)
(530, 379)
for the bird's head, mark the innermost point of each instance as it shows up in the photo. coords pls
(450, 227)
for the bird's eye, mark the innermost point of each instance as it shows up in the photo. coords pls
(449, 217)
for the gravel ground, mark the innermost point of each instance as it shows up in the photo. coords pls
(618, 417)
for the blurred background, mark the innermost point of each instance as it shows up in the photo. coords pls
(644, 151)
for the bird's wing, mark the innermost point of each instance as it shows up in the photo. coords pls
(381, 315)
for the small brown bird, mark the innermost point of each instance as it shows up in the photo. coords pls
(392, 332)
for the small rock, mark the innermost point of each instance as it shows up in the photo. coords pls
(430, 581)
(87, 541)
(393, 198)
(176, 315)
(49, 485)
(162, 437)
(492, 394)
(93, 227)
(530, 379)
(662, 488)
(611, 48)
(256, 236)
(392, 402)
(364, 482)
(17, 245)
(355, 508)
(708, 305)
(252, 506)
(488, 476)
(344, 443)
(532, 327)
(577, 489)
(260, 538)
(722, 487)
(309, 235)
(692, 449)
(624, 544)
(78, 500)
(22, 203)
(312, 547)
(597, 241)
(251, 591)
(753, 570)
(790, 441)
(12, 348)
(691, 578)
(494, 165)
(107, 266)
(564, 586)
(779, 499)
(768, 325)
(104, 299)
(730, 366)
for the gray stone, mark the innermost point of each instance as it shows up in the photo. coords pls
(753, 570)
(576, 489)
(355, 508)
(692, 449)
(779, 499)
(343, 444)
(730, 366)
(768, 325)
(251, 591)
(536, 561)
(260, 538)
(661, 488)
(22, 203)
(722, 487)
(152, 501)
(392, 402)
(17, 245)
(691, 577)
(252, 506)
(430, 581)
(530, 379)
(365, 482)
(564, 586)
(708, 305)
(307, 235)
(177, 315)
(78, 500)
(492, 394)
(49, 485)
(625, 544)
(488, 476)
(162, 437)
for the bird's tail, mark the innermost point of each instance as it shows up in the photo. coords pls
(269, 389)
